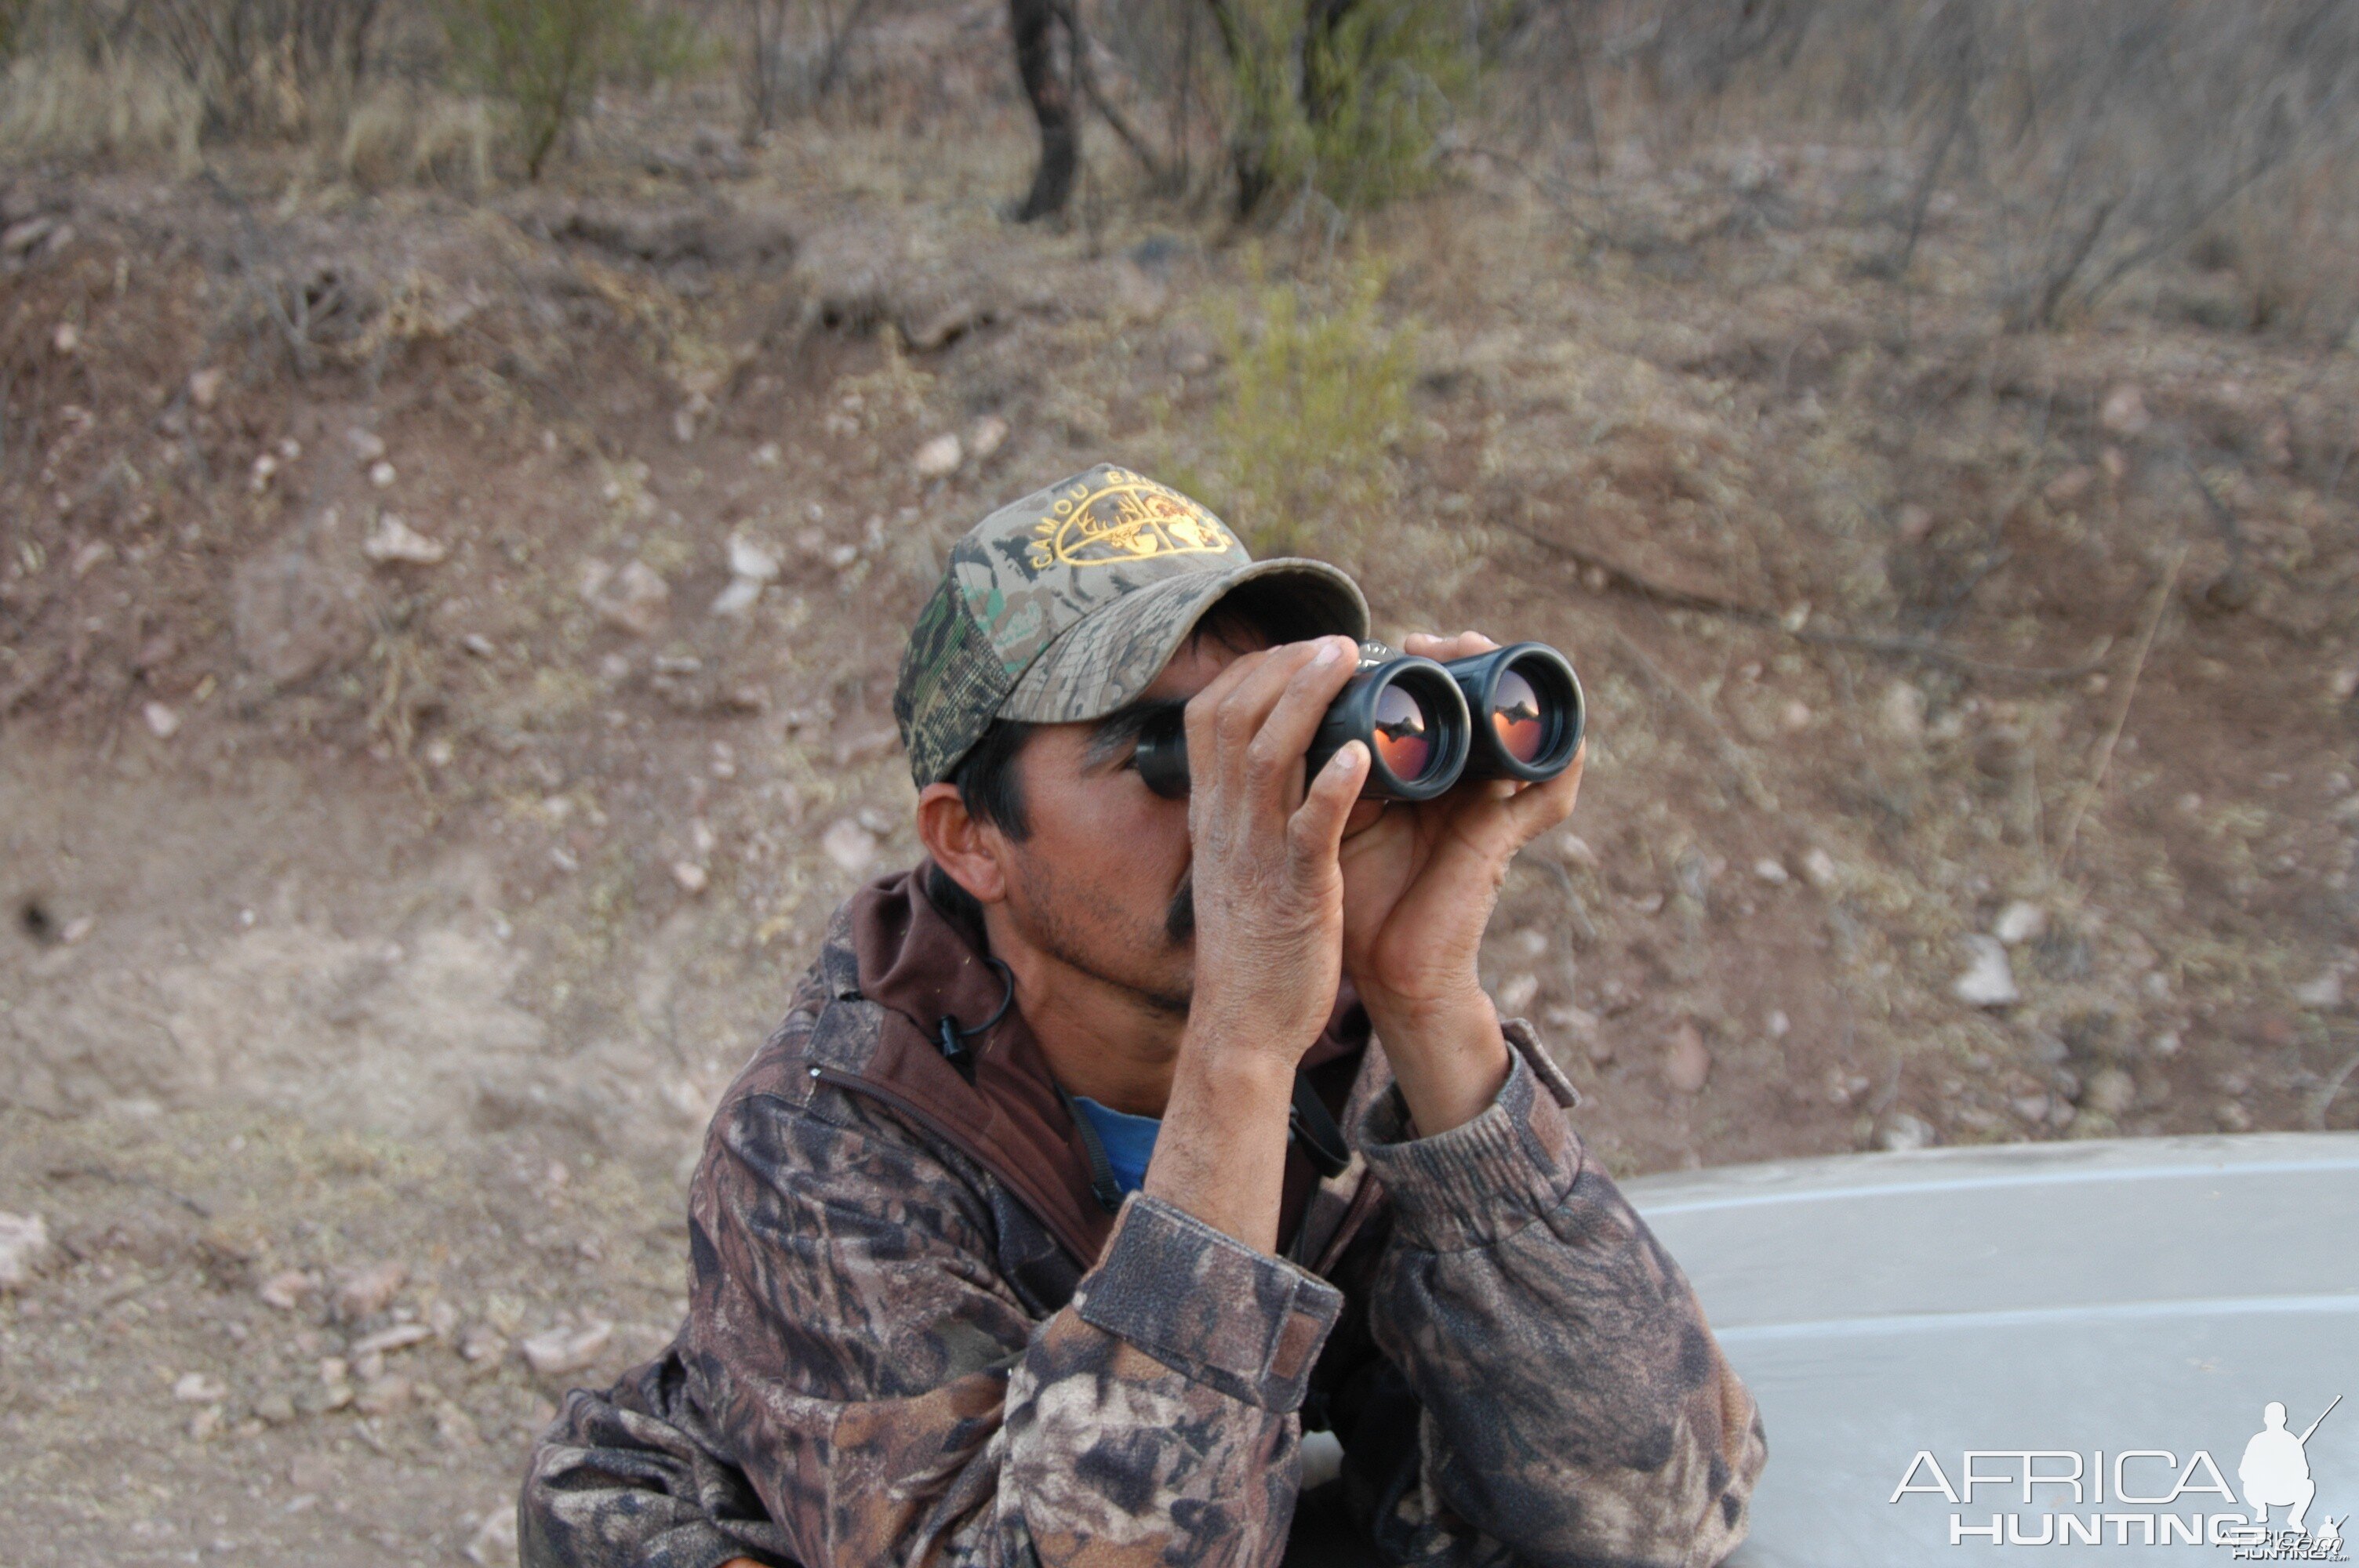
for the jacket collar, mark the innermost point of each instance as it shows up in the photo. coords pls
(891, 945)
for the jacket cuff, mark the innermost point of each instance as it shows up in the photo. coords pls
(1208, 1306)
(1480, 1182)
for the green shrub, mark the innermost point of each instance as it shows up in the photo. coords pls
(1315, 401)
(1348, 110)
(544, 57)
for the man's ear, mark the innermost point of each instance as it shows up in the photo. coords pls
(968, 849)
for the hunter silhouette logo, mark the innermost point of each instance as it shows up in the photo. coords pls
(2143, 1496)
(2275, 1468)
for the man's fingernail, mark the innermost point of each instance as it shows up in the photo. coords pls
(1341, 761)
(1329, 652)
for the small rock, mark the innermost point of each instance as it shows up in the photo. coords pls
(286, 1290)
(493, 1544)
(380, 1395)
(1989, 979)
(196, 1389)
(2166, 1044)
(395, 542)
(2020, 922)
(1686, 1061)
(381, 473)
(1771, 871)
(367, 445)
(478, 644)
(850, 846)
(1819, 870)
(2068, 486)
(2123, 411)
(742, 594)
(1576, 852)
(990, 434)
(439, 752)
(274, 1407)
(205, 386)
(767, 456)
(1795, 715)
(401, 1336)
(2110, 1090)
(362, 1292)
(1517, 994)
(480, 1342)
(22, 238)
(634, 600)
(1902, 1131)
(1778, 1025)
(74, 930)
(205, 1423)
(455, 1428)
(690, 876)
(555, 1352)
(2232, 1117)
(67, 339)
(1904, 710)
(748, 560)
(23, 1245)
(939, 458)
(2322, 994)
(162, 722)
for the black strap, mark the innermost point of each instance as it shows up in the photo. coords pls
(1314, 1131)
(952, 1039)
(1103, 1186)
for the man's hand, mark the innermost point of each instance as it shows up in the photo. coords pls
(1269, 926)
(1420, 885)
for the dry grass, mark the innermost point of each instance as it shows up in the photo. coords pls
(403, 134)
(126, 107)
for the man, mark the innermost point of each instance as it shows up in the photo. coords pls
(1027, 1237)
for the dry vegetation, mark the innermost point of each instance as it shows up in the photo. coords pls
(447, 616)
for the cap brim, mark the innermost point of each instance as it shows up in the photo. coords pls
(1108, 658)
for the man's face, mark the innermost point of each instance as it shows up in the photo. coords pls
(1101, 882)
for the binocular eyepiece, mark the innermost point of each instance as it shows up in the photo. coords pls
(1419, 719)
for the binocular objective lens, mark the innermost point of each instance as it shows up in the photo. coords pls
(1403, 734)
(1516, 715)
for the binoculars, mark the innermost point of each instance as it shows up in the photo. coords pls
(1417, 719)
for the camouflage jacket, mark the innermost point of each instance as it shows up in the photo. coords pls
(913, 1335)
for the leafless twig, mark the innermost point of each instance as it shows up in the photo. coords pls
(2121, 710)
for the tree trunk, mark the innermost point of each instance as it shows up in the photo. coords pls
(1052, 93)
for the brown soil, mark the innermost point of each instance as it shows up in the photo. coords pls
(415, 913)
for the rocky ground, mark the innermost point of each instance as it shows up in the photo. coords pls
(445, 648)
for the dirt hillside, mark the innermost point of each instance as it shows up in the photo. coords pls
(445, 653)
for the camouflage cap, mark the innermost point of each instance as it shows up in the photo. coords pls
(1067, 604)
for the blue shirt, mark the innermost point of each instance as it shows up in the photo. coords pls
(1129, 1140)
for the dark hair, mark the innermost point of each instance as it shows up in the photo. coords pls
(986, 777)
(988, 785)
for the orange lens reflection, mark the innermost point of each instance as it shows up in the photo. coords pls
(1516, 715)
(1403, 742)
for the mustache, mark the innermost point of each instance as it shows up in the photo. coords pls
(1180, 918)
